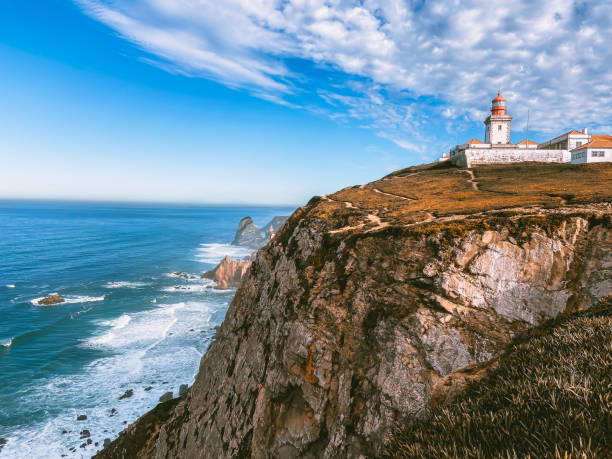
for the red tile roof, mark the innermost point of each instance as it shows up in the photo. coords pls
(525, 142)
(597, 141)
(474, 141)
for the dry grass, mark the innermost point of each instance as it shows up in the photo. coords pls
(550, 397)
(442, 190)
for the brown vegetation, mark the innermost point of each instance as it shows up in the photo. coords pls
(549, 396)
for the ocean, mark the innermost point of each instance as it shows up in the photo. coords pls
(128, 323)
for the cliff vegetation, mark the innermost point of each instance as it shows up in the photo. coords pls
(548, 396)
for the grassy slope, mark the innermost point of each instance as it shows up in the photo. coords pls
(550, 396)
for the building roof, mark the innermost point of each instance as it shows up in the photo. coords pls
(573, 131)
(473, 141)
(597, 141)
(499, 98)
(527, 142)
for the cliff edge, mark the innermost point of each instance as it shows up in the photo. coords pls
(369, 304)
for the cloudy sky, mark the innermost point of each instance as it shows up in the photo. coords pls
(272, 101)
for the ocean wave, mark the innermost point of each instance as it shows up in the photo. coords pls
(214, 253)
(139, 330)
(205, 285)
(185, 276)
(10, 285)
(118, 323)
(6, 342)
(126, 284)
(71, 299)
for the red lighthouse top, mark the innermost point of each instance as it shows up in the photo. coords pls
(498, 106)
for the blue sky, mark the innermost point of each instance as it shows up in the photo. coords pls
(270, 101)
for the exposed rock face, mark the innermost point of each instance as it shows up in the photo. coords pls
(228, 273)
(367, 307)
(51, 299)
(248, 234)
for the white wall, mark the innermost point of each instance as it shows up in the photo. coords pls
(500, 135)
(474, 156)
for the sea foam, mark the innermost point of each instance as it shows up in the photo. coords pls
(214, 253)
(70, 299)
(126, 284)
(6, 342)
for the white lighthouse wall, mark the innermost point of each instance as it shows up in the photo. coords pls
(500, 132)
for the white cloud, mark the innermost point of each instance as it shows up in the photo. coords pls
(551, 56)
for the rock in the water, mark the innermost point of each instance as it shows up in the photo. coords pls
(81, 417)
(248, 234)
(275, 224)
(113, 412)
(51, 299)
(167, 396)
(148, 388)
(127, 394)
(183, 389)
(85, 433)
(228, 273)
(107, 441)
(2, 443)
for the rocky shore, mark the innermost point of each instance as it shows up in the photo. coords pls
(373, 305)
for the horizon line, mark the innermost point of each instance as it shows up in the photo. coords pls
(144, 203)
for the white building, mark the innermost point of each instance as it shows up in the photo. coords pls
(598, 150)
(498, 149)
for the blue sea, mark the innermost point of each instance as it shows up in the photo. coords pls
(128, 324)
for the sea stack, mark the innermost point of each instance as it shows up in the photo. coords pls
(228, 273)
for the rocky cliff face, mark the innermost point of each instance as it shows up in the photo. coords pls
(371, 300)
(247, 234)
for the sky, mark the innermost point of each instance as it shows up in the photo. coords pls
(274, 101)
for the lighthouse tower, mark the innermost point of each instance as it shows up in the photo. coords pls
(497, 124)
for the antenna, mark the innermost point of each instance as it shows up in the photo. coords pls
(527, 128)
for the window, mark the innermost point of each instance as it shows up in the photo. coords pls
(499, 127)
(578, 144)
(579, 155)
(596, 154)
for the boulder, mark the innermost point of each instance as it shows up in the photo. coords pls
(127, 394)
(81, 417)
(2, 443)
(51, 299)
(228, 273)
(85, 433)
(183, 389)
(167, 396)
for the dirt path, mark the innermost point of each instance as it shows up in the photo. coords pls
(406, 198)
(472, 179)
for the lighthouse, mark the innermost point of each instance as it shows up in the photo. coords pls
(497, 124)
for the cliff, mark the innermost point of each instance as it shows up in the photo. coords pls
(372, 300)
